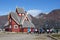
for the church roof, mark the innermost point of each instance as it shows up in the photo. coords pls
(19, 19)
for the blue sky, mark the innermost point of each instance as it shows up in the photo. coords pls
(29, 5)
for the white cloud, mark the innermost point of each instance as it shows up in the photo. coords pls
(3, 13)
(34, 12)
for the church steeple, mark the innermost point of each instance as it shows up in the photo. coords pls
(20, 10)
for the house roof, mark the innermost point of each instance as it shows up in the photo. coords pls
(28, 24)
(19, 19)
(7, 23)
(3, 20)
(15, 17)
(20, 10)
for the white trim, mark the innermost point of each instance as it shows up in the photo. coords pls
(10, 20)
(10, 26)
(15, 21)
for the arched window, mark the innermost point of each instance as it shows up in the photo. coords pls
(10, 26)
(20, 14)
(15, 26)
(10, 20)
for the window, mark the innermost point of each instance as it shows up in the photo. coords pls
(10, 26)
(15, 26)
(10, 20)
(22, 14)
(19, 14)
(26, 19)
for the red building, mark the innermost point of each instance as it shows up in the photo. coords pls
(19, 21)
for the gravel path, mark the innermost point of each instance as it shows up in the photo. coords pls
(24, 37)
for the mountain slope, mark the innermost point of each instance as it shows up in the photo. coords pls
(3, 20)
(51, 20)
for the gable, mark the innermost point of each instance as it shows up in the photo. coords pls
(28, 22)
(19, 18)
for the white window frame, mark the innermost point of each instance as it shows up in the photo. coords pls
(22, 14)
(16, 26)
(10, 20)
(10, 26)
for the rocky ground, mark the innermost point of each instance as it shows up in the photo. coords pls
(23, 36)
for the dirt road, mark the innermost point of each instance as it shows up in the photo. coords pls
(24, 37)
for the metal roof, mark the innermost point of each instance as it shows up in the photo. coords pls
(19, 19)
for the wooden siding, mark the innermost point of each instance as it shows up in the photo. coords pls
(14, 29)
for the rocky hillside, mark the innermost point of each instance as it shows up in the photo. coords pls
(3, 20)
(50, 20)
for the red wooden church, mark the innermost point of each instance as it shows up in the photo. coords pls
(19, 21)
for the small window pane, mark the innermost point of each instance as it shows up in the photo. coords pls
(15, 26)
